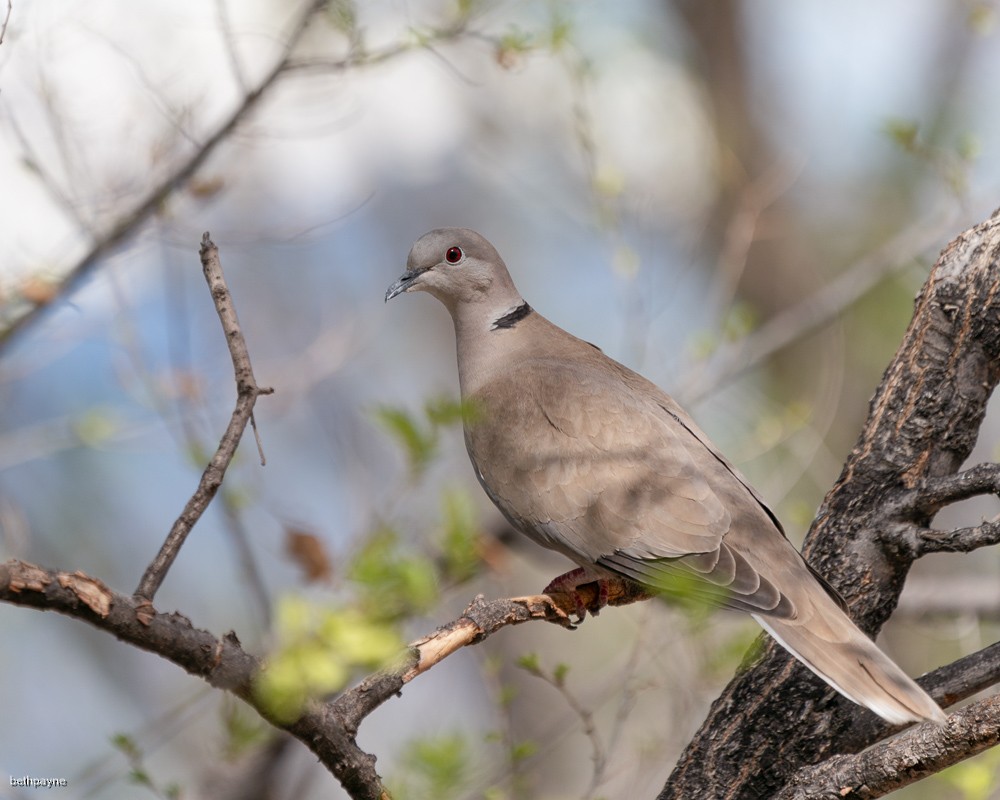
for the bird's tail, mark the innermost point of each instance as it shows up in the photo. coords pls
(842, 655)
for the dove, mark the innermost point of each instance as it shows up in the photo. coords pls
(590, 459)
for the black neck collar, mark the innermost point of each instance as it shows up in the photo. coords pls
(512, 317)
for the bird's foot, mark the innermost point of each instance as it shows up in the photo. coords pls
(587, 592)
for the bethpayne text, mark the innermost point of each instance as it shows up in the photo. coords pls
(38, 783)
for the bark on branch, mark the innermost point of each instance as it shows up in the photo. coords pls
(247, 392)
(922, 425)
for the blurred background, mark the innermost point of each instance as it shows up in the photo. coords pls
(739, 200)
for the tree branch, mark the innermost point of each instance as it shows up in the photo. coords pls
(921, 751)
(130, 221)
(922, 425)
(221, 662)
(6, 19)
(480, 620)
(948, 685)
(327, 728)
(935, 492)
(959, 540)
(247, 394)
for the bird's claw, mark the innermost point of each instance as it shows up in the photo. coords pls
(586, 592)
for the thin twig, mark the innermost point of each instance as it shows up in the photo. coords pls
(6, 19)
(814, 311)
(247, 394)
(598, 752)
(130, 221)
(232, 52)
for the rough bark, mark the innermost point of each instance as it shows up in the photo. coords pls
(922, 425)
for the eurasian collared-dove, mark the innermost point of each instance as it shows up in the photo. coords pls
(590, 459)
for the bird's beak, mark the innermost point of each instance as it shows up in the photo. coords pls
(404, 284)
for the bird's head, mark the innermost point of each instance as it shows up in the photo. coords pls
(460, 268)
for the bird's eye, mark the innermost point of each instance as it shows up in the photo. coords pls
(454, 255)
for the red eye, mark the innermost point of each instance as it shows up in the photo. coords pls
(454, 255)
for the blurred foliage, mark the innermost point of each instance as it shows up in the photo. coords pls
(419, 436)
(243, 728)
(975, 779)
(459, 538)
(951, 163)
(318, 651)
(393, 583)
(437, 767)
(138, 774)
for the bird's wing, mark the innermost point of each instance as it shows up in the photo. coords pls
(590, 459)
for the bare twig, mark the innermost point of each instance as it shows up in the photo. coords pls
(130, 221)
(226, 29)
(6, 19)
(814, 311)
(247, 394)
(598, 752)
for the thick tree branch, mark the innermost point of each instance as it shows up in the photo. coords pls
(923, 422)
(921, 751)
(221, 662)
(949, 685)
(247, 394)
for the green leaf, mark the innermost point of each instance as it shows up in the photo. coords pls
(126, 745)
(523, 750)
(459, 537)
(139, 776)
(394, 584)
(419, 445)
(903, 132)
(318, 651)
(243, 729)
(343, 16)
(444, 411)
(359, 640)
(440, 765)
(96, 426)
(529, 663)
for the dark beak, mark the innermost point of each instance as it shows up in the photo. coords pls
(405, 282)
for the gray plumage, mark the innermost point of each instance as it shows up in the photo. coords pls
(590, 459)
